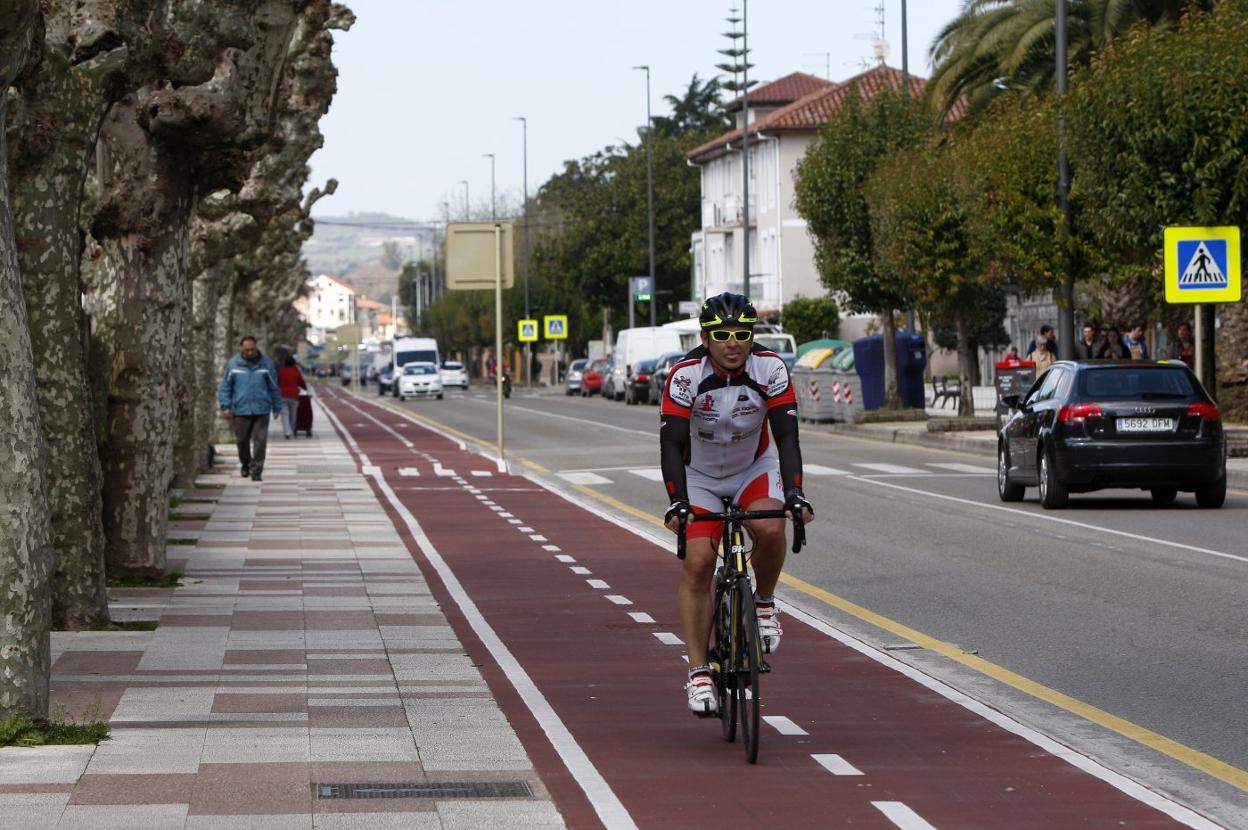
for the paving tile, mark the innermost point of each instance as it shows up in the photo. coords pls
(384, 744)
(479, 815)
(293, 821)
(422, 820)
(45, 764)
(32, 810)
(161, 788)
(149, 751)
(238, 745)
(164, 704)
(148, 817)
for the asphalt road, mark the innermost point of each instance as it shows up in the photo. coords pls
(1118, 627)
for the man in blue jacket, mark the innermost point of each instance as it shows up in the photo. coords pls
(250, 394)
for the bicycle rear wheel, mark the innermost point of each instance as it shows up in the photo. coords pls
(723, 661)
(750, 661)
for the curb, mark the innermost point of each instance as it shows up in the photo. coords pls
(1236, 479)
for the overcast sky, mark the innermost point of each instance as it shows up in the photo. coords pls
(426, 87)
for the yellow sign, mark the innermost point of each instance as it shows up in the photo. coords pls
(527, 331)
(1202, 265)
(556, 326)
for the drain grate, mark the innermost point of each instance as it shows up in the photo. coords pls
(440, 789)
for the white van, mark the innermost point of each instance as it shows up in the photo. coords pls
(633, 346)
(415, 350)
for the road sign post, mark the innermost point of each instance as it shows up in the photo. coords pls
(1202, 266)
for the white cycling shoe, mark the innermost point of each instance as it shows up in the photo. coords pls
(702, 699)
(769, 627)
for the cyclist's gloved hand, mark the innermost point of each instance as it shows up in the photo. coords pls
(677, 511)
(795, 503)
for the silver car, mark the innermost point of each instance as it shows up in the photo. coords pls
(572, 381)
(419, 380)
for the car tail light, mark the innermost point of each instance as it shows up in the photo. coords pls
(1205, 410)
(643, 378)
(1079, 412)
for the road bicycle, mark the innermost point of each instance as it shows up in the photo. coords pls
(736, 653)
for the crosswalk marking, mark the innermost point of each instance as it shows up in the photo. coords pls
(965, 468)
(820, 470)
(836, 765)
(584, 478)
(649, 473)
(892, 469)
(668, 639)
(784, 726)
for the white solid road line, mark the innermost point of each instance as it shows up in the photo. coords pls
(784, 726)
(835, 764)
(652, 434)
(1047, 518)
(893, 469)
(901, 815)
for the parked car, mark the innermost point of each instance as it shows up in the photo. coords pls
(658, 378)
(632, 346)
(346, 371)
(614, 378)
(419, 380)
(1096, 424)
(572, 380)
(592, 379)
(454, 374)
(637, 388)
(385, 381)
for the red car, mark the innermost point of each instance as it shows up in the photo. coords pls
(595, 374)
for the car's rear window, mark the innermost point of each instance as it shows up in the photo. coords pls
(1138, 383)
(645, 366)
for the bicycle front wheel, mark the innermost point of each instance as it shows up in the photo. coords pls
(723, 661)
(750, 662)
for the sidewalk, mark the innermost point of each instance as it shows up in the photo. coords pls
(978, 442)
(303, 654)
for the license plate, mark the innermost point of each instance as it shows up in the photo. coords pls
(1145, 424)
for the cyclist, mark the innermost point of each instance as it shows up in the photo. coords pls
(717, 406)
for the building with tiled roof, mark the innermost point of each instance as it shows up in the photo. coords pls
(782, 260)
(777, 93)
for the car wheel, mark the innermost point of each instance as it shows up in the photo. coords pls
(568, 392)
(1212, 495)
(1164, 495)
(1052, 494)
(439, 396)
(1006, 489)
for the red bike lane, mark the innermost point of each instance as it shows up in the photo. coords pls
(587, 608)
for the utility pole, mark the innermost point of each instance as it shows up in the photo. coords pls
(524, 122)
(493, 210)
(745, 146)
(467, 204)
(905, 86)
(1066, 314)
(654, 280)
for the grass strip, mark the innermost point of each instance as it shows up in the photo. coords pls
(21, 731)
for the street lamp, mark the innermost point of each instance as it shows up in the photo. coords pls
(654, 287)
(1066, 314)
(493, 212)
(467, 210)
(524, 123)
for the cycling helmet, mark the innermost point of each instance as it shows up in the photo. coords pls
(727, 309)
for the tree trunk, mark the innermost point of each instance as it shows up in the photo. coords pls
(191, 454)
(892, 392)
(966, 366)
(58, 120)
(25, 546)
(147, 251)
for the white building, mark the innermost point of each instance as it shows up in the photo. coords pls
(785, 117)
(330, 303)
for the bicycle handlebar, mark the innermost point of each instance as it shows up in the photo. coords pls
(799, 528)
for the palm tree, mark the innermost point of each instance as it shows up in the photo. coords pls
(994, 45)
(697, 110)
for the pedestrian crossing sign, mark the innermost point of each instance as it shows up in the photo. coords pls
(1202, 265)
(556, 326)
(527, 331)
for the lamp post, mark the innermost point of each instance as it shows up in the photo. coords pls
(654, 287)
(467, 209)
(493, 211)
(524, 123)
(745, 146)
(1066, 314)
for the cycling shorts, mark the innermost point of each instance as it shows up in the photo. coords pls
(761, 480)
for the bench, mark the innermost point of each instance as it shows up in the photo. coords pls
(946, 388)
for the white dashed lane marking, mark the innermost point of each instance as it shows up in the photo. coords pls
(893, 469)
(901, 815)
(525, 529)
(583, 571)
(836, 765)
(409, 472)
(584, 478)
(649, 473)
(784, 726)
(619, 600)
(641, 617)
(550, 547)
(820, 470)
(563, 557)
(668, 639)
(536, 538)
(601, 585)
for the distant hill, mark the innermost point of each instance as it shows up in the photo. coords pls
(342, 244)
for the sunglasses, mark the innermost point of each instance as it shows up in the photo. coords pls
(724, 335)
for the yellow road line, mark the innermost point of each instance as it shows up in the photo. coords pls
(1146, 737)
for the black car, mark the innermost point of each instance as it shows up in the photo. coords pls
(385, 380)
(1108, 423)
(637, 388)
(658, 378)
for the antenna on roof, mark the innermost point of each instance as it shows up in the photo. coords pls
(827, 62)
(879, 46)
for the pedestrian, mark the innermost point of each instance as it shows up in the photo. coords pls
(535, 367)
(249, 393)
(490, 364)
(1046, 331)
(1115, 349)
(1089, 347)
(1041, 356)
(1182, 348)
(290, 381)
(1136, 343)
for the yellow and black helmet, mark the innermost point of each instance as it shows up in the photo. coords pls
(727, 309)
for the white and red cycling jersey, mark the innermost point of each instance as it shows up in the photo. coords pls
(727, 413)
